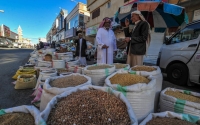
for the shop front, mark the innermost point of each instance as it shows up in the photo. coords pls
(70, 34)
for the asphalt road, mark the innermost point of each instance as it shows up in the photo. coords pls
(11, 59)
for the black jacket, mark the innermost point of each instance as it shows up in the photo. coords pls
(83, 47)
(138, 38)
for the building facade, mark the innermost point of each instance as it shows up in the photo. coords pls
(75, 21)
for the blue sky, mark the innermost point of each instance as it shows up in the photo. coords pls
(34, 16)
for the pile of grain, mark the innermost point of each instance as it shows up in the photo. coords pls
(168, 121)
(126, 79)
(99, 67)
(144, 68)
(89, 107)
(48, 57)
(120, 66)
(68, 81)
(17, 119)
(183, 96)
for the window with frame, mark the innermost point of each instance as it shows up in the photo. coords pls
(96, 13)
(108, 4)
(189, 33)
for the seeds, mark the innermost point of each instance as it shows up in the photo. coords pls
(99, 67)
(168, 121)
(183, 96)
(125, 79)
(62, 70)
(144, 68)
(68, 81)
(89, 107)
(120, 66)
(48, 57)
(17, 119)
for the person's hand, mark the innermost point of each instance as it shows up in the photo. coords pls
(127, 22)
(127, 39)
(105, 47)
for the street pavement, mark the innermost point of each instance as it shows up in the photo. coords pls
(11, 59)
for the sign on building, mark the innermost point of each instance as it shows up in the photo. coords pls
(196, 15)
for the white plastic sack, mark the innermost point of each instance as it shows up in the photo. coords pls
(168, 114)
(49, 92)
(141, 95)
(170, 103)
(159, 79)
(72, 63)
(98, 76)
(26, 109)
(44, 63)
(76, 69)
(52, 103)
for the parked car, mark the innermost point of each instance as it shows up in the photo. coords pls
(6, 43)
(15, 45)
(179, 56)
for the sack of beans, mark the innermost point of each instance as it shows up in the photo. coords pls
(180, 101)
(98, 73)
(155, 72)
(76, 69)
(48, 57)
(170, 118)
(21, 115)
(24, 71)
(63, 72)
(120, 66)
(89, 105)
(57, 85)
(26, 81)
(44, 63)
(138, 89)
(72, 63)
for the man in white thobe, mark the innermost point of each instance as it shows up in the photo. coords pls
(106, 42)
(81, 47)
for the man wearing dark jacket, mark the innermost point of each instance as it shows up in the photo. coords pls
(81, 47)
(137, 39)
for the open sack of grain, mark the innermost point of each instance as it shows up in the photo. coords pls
(139, 91)
(26, 81)
(170, 118)
(89, 105)
(180, 101)
(57, 85)
(24, 71)
(98, 73)
(76, 69)
(21, 115)
(63, 72)
(155, 72)
(120, 66)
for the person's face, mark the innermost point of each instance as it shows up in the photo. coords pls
(135, 17)
(79, 36)
(107, 24)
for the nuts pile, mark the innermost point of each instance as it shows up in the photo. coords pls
(144, 68)
(120, 66)
(183, 96)
(126, 79)
(168, 121)
(68, 81)
(48, 57)
(89, 107)
(99, 67)
(17, 119)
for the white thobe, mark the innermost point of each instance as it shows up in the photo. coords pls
(82, 60)
(105, 37)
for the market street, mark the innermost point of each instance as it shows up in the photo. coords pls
(10, 60)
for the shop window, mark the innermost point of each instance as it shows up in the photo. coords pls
(96, 13)
(108, 4)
